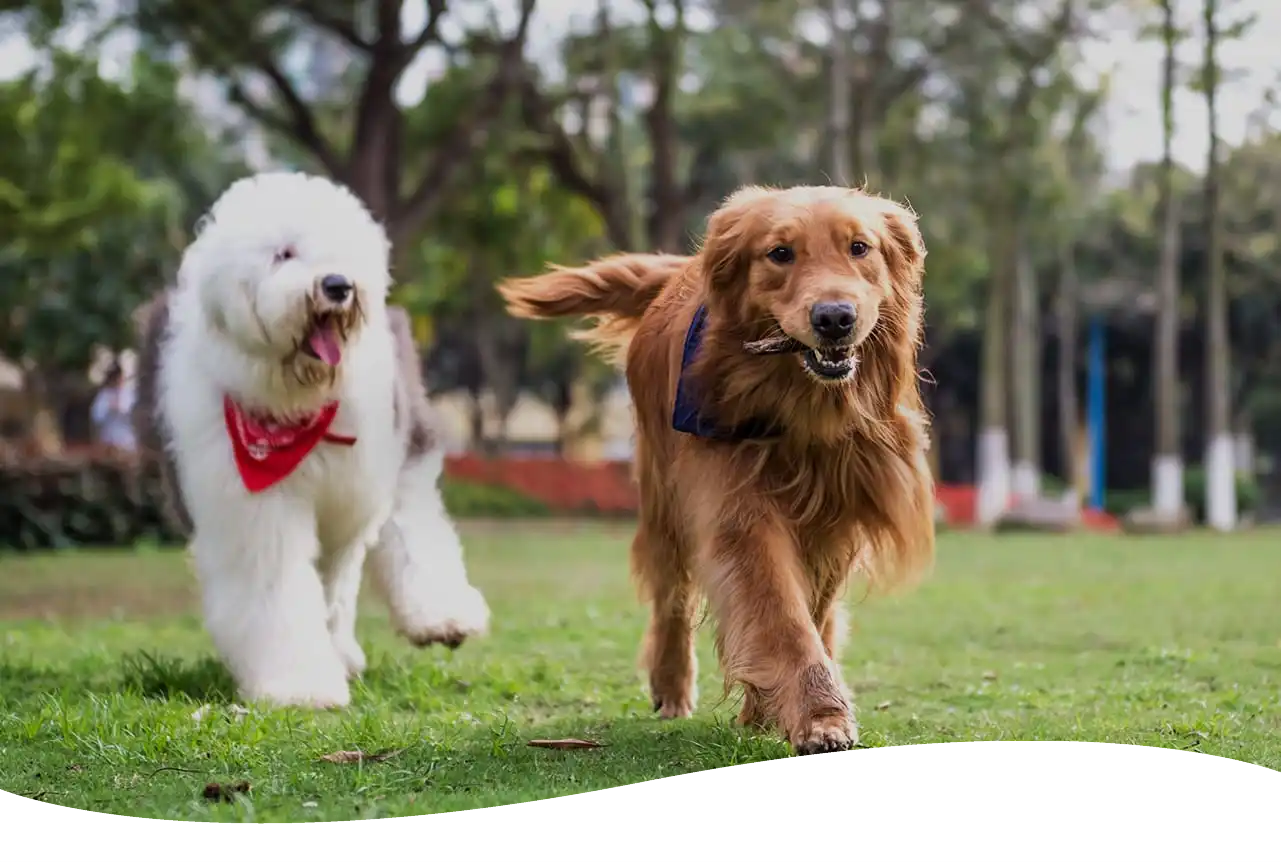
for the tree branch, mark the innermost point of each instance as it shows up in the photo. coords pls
(344, 30)
(1028, 57)
(431, 30)
(419, 204)
(298, 123)
(911, 77)
(302, 121)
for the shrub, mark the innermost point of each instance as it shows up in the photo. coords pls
(1121, 501)
(95, 500)
(465, 499)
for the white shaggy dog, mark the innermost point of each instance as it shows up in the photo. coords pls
(284, 400)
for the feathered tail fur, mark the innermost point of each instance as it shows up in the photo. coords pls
(613, 293)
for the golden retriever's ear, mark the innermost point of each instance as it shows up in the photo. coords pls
(905, 251)
(727, 248)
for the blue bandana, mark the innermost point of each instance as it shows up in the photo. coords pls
(686, 414)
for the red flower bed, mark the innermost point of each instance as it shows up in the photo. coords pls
(607, 487)
(565, 486)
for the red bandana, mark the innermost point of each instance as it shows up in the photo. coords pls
(268, 451)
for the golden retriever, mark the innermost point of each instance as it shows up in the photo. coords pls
(781, 437)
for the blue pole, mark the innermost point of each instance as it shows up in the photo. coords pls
(1097, 411)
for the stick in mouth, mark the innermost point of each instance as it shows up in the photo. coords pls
(774, 345)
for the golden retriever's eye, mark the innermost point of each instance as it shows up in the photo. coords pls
(858, 248)
(285, 253)
(781, 255)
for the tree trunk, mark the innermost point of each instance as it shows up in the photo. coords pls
(666, 224)
(1069, 405)
(1167, 462)
(478, 441)
(993, 437)
(838, 107)
(1024, 373)
(1220, 486)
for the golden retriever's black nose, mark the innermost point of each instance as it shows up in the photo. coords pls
(335, 288)
(832, 322)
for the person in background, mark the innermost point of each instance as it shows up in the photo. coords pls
(111, 410)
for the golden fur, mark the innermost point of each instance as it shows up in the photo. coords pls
(769, 531)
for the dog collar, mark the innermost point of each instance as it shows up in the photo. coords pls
(689, 417)
(267, 450)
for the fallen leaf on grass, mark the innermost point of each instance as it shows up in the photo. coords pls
(355, 756)
(226, 793)
(884, 705)
(567, 743)
(597, 832)
(83, 849)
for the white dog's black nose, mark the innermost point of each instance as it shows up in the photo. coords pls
(336, 288)
(832, 322)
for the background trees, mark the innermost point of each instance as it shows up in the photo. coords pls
(494, 137)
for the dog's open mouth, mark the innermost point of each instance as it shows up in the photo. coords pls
(324, 339)
(830, 364)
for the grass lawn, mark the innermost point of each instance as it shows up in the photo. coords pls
(1161, 641)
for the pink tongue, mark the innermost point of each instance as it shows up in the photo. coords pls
(324, 341)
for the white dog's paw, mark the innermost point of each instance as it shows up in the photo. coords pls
(351, 653)
(450, 621)
(321, 687)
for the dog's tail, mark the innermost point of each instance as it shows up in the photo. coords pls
(613, 293)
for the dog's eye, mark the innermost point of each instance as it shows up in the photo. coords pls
(781, 254)
(285, 253)
(858, 249)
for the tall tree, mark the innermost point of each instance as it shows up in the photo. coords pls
(838, 111)
(96, 189)
(612, 69)
(884, 32)
(1003, 131)
(357, 137)
(1167, 460)
(1078, 179)
(1220, 476)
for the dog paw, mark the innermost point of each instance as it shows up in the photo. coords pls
(290, 696)
(825, 734)
(674, 707)
(466, 615)
(319, 688)
(351, 654)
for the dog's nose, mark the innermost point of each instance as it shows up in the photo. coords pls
(336, 288)
(832, 321)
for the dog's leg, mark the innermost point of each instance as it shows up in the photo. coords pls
(765, 631)
(341, 573)
(831, 617)
(668, 651)
(417, 561)
(264, 605)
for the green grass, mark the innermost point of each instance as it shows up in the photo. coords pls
(1162, 641)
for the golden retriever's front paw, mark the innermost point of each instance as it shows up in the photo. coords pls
(826, 734)
(674, 706)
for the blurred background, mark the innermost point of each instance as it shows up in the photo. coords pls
(1099, 183)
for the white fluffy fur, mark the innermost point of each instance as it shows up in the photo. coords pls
(280, 570)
